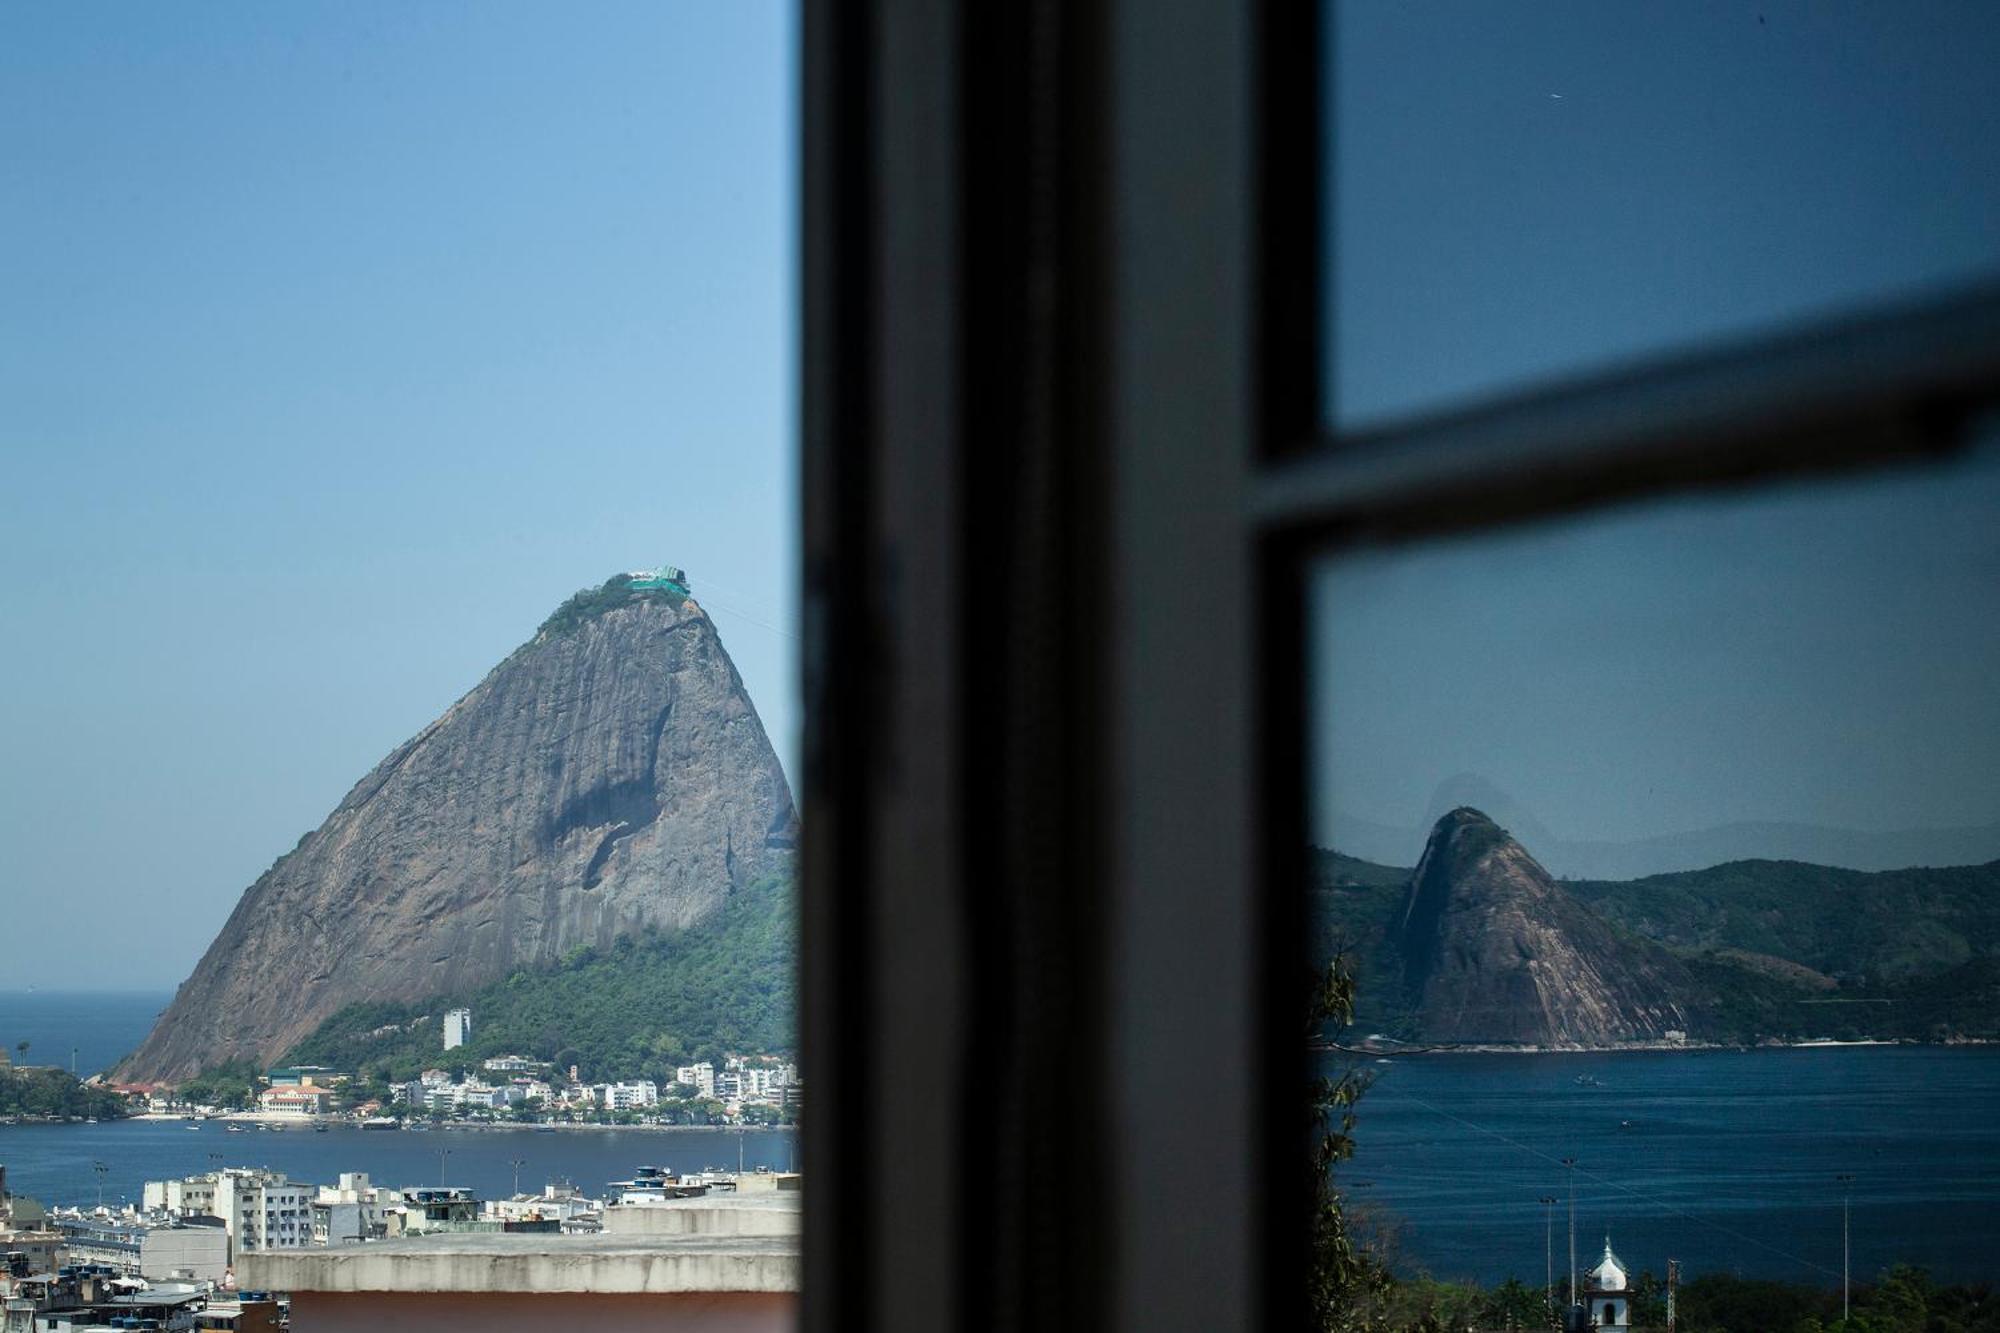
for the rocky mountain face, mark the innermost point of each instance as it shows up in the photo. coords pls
(1494, 951)
(610, 775)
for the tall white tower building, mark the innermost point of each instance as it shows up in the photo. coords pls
(457, 1028)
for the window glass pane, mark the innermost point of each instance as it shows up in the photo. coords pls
(1520, 193)
(1690, 792)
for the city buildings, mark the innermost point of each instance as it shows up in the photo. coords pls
(634, 1096)
(457, 1028)
(351, 1210)
(702, 1263)
(257, 1209)
(296, 1099)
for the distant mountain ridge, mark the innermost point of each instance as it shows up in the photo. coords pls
(1478, 944)
(609, 776)
(1667, 853)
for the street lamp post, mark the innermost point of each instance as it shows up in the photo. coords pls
(1846, 1196)
(1548, 1202)
(1569, 1165)
(517, 1163)
(443, 1153)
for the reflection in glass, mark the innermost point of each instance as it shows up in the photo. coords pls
(1524, 192)
(1651, 787)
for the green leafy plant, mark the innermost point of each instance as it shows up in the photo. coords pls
(1347, 1283)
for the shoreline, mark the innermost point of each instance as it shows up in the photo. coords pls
(287, 1120)
(1411, 1049)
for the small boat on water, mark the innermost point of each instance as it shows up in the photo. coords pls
(1587, 1081)
(237, 1129)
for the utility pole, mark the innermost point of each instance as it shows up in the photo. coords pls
(517, 1163)
(442, 1154)
(1548, 1202)
(1569, 1165)
(100, 1168)
(1846, 1196)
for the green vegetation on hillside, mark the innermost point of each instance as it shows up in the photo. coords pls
(591, 603)
(231, 1085)
(1351, 909)
(638, 1009)
(1781, 950)
(1854, 925)
(56, 1092)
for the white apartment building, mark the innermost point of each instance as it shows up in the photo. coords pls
(511, 1064)
(628, 1096)
(262, 1210)
(563, 1202)
(700, 1077)
(481, 1094)
(187, 1254)
(190, 1196)
(457, 1028)
(458, 1096)
(353, 1210)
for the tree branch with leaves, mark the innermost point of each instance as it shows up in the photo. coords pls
(1347, 1282)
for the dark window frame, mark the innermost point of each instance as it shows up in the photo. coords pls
(1064, 480)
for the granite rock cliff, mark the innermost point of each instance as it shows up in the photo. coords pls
(1494, 951)
(610, 775)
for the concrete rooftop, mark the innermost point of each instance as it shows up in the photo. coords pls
(525, 1262)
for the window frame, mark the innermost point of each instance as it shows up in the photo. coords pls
(1139, 718)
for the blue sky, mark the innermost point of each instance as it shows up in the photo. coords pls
(1822, 654)
(1523, 193)
(338, 344)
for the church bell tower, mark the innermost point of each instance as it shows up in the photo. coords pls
(1603, 1294)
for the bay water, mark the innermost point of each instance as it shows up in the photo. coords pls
(1724, 1160)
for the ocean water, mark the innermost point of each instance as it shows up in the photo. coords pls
(101, 1028)
(1725, 1160)
(57, 1163)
